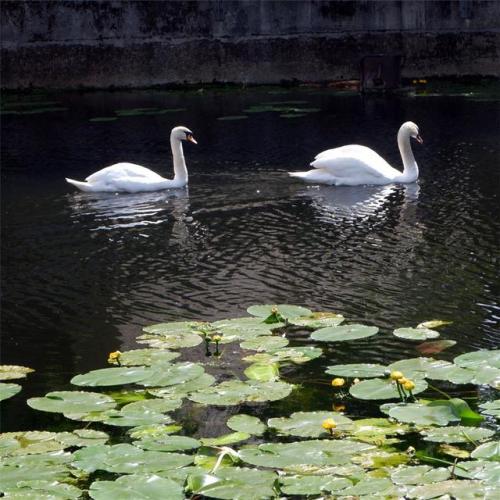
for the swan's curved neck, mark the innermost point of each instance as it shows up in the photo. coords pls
(180, 170)
(410, 167)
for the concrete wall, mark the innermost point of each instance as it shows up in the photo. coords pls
(140, 43)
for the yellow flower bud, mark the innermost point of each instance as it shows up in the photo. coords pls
(356, 381)
(338, 382)
(114, 357)
(402, 380)
(409, 385)
(274, 310)
(329, 424)
(396, 375)
(217, 338)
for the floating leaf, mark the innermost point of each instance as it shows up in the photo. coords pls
(375, 430)
(240, 329)
(381, 389)
(452, 488)
(297, 355)
(42, 489)
(381, 487)
(285, 310)
(361, 370)
(308, 424)
(267, 343)
(136, 486)
(196, 384)
(488, 451)
(343, 333)
(434, 323)
(10, 372)
(491, 408)
(424, 414)
(111, 376)
(233, 437)
(8, 390)
(434, 346)
(453, 451)
(486, 471)
(154, 431)
(456, 434)
(479, 359)
(247, 424)
(318, 320)
(174, 328)
(173, 341)
(168, 443)
(82, 437)
(435, 369)
(159, 405)
(416, 333)
(312, 452)
(147, 357)
(236, 392)
(127, 459)
(380, 459)
(263, 372)
(313, 485)
(72, 402)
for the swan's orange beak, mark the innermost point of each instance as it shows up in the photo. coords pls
(190, 138)
(419, 139)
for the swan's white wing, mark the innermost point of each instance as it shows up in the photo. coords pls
(354, 163)
(120, 171)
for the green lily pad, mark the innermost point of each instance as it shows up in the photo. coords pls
(153, 431)
(311, 452)
(168, 443)
(491, 408)
(236, 483)
(343, 333)
(135, 486)
(318, 320)
(380, 459)
(313, 485)
(375, 430)
(173, 341)
(308, 423)
(30, 442)
(147, 357)
(380, 487)
(127, 459)
(72, 402)
(82, 437)
(246, 423)
(8, 390)
(236, 392)
(434, 323)
(297, 355)
(377, 388)
(263, 372)
(453, 488)
(485, 470)
(419, 474)
(479, 359)
(416, 333)
(456, 434)
(424, 414)
(243, 328)
(361, 370)
(196, 384)
(174, 328)
(488, 451)
(231, 438)
(284, 310)
(158, 405)
(265, 343)
(43, 489)
(10, 372)
(435, 369)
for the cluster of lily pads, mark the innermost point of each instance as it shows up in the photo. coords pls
(129, 438)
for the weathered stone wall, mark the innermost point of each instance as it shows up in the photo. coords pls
(83, 43)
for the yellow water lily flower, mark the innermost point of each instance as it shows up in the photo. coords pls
(409, 385)
(217, 338)
(338, 382)
(395, 375)
(114, 357)
(329, 424)
(402, 380)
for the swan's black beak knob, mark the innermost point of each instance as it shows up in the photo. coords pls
(190, 138)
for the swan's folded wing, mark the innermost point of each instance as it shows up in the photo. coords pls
(352, 161)
(123, 170)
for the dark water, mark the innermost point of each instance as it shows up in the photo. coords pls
(82, 273)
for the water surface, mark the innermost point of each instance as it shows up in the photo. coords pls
(82, 273)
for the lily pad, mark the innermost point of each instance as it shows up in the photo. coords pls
(168, 443)
(434, 346)
(147, 357)
(380, 487)
(263, 372)
(488, 451)
(453, 488)
(43, 489)
(456, 434)
(477, 359)
(485, 470)
(313, 485)
(318, 320)
(10, 372)
(310, 452)
(111, 376)
(361, 370)
(246, 423)
(381, 389)
(231, 438)
(135, 486)
(491, 408)
(434, 323)
(343, 333)
(172, 341)
(8, 390)
(296, 355)
(127, 459)
(424, 414)
(266, 343)
(72, 402)
(243, 328)
(174, 328)
(236, 392)
(308, 424)
(419, 474)
(196, 384)
(285, 310)
(375, 430)
(154, 431)
(416, 333)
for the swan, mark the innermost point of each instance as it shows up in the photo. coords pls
(131, 178)
(353, 165)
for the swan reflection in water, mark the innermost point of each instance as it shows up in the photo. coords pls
(110, 212)
(357, 203)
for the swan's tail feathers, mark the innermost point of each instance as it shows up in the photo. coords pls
(300, 175)
(83, 186)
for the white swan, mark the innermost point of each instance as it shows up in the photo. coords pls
(354, 165)
(131, 178)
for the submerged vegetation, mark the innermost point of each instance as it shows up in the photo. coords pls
(128, 433)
